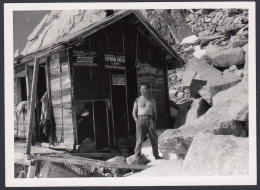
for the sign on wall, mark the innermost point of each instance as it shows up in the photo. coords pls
(85, 58)
(118, 79)
(113, 61)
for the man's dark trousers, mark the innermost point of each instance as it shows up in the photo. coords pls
(145, 125)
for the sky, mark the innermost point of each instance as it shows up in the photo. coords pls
(24, 23)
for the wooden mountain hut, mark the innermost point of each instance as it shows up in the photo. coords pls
(96, 71)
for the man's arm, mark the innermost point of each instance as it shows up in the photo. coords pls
(135, 108)
(155, 114)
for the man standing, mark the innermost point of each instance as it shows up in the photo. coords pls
(145, 116)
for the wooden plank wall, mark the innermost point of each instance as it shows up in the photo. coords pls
(60, 81)
(149, 68)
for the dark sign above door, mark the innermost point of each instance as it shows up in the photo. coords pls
(113, 61)
(85, 58)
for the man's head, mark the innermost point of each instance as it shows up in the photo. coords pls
(144, 89)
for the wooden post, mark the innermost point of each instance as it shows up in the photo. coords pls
(45, 169)
(31, 169)
(32, 107)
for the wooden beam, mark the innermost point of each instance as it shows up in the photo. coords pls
(32, 169)
(94, 155)
(32, 107)
(75, 160)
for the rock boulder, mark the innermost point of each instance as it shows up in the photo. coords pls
(225, 57)
(199, 70)
(119, 160)
(217, 155)
(217, 84)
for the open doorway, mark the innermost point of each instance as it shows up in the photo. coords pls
(42, 115)
(120, 113)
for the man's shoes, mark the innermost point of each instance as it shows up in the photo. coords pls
(158, 157)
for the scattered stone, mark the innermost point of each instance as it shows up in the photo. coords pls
(239, 43)
(233, 68)
(139, 161)
(229, 157)
(117, 172)
(189, 40)
(204, 33)
(180, 95)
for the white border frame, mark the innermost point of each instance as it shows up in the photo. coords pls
(251, 179)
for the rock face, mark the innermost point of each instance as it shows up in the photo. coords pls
(117, 172)
(217, 155)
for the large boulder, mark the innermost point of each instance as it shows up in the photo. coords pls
(215, 155)
(199, 70)
(190, 110)
(217, 84)
(215, 121)
(225, 57)
(115, 171)
(235, 99)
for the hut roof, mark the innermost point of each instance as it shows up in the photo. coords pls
(68, 27)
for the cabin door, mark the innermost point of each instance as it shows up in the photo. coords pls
(41, 131)
(119, 101)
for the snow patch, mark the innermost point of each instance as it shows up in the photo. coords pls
(189, 40)
(199, 52)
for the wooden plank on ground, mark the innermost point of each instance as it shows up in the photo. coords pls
(94, 155)
(75, 160)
